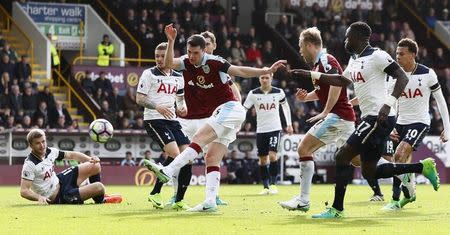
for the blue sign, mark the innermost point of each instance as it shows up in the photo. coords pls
(55, 13)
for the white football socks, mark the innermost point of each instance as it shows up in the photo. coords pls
(212, 186)
(189, 154)
(306, 174)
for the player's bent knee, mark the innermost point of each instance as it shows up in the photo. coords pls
(99, 188)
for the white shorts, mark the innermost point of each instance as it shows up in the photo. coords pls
(226, 122)
(332, 129)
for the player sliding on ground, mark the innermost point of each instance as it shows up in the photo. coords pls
(367, 70)
(267, 100)
(207, 73)
(40, 182)
(158, 90)
(334, 124)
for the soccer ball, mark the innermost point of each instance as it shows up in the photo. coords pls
(101, 130)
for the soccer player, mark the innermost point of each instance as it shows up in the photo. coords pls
(367, 70)
(335, 123)
(40, 182)
(207, 73)
(267, 100)
(413, 121)
(199, 113)
(158, 89)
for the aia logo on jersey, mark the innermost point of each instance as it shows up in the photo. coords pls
(48, 174)
(357, 77)
(267, 106)
(167, 88)
(412, 94)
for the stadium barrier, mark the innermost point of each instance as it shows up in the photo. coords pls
(14, 149)
(113, 175)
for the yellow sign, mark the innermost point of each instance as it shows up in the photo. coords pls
(144, 177)
(132, 79)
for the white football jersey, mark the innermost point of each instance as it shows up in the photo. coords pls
(367, 71)
(161, 88)
(267, 107)
(414, 102)
(42, 173)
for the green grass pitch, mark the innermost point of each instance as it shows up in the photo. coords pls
(247, 213)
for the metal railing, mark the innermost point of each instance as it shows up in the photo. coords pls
(110, 16)
(9, 23)
(78, 96)
(80, 59)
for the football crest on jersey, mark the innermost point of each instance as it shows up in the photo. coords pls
(206, 68)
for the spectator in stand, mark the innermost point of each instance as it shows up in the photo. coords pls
(125, 125)
(143, 18)
(115, 101)
(41, 112)
(187, 22)
(128, 161)
(87, 84)
(108, 114)
(251, 37)
(431, 18)
(22, 70)
(225, 52)
(238, 54)
(105, 50)
(253, 54)
(5, 83)
(424, 57)
(60, 123)
(444, 81)
(2, 41)
(10, 52)
(145, 38)
(268, 55)
(47, 97)
(9, 122)
(29, 101)
(444, 15)
(26, 122)
(104, 83)
(99, 97)
(129, 103)
(58, 111)
(148, 156)
(234, 166)
(131, 22)
(15, 99)
(139, 124)
(39, 123)
(407, 32)
(439, 62)
(6, 66)
(284, 27)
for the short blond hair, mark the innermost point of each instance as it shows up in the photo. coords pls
(311, 35)
(34, 134)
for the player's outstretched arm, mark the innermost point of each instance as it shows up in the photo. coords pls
(397, 73)
(442, 106)
(250, 72)
(324, 78)
(287, 115)
(27, 193)
(169, 61)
